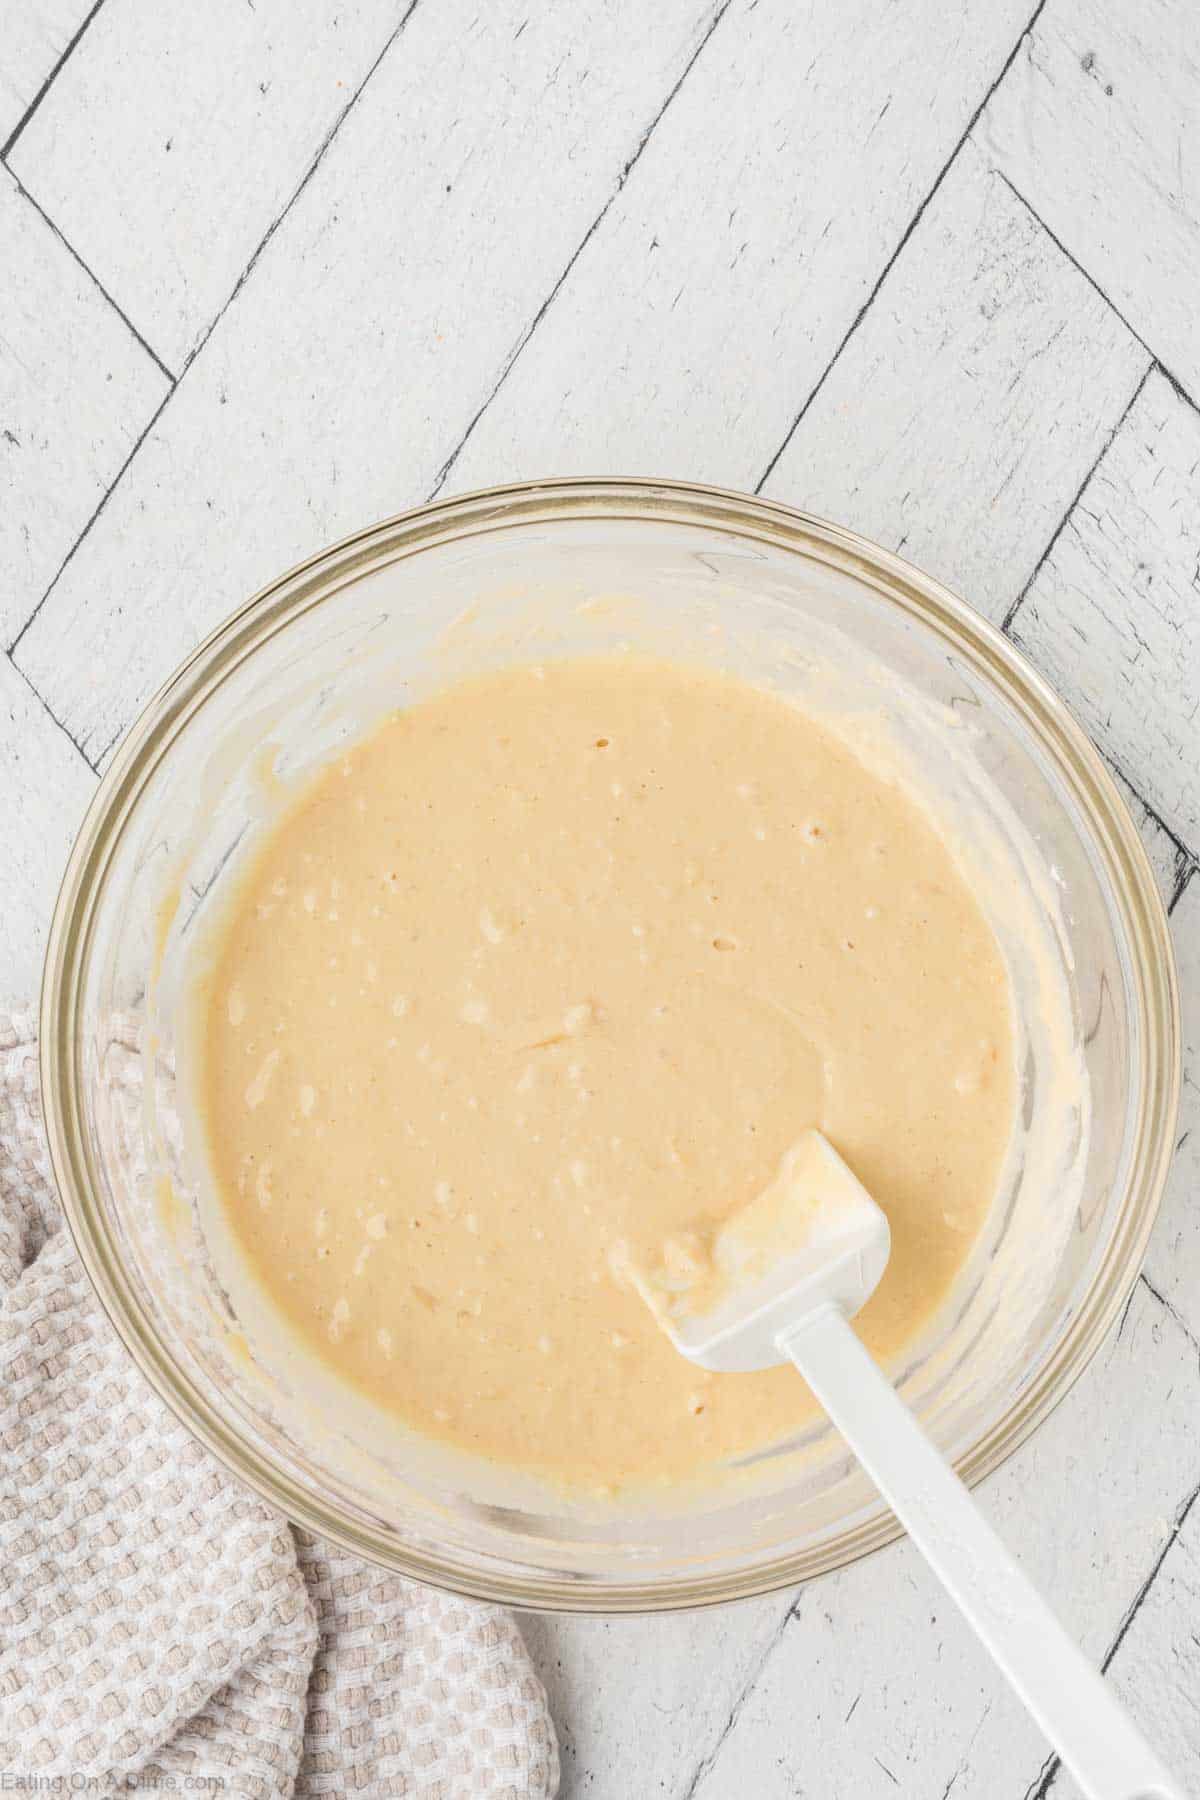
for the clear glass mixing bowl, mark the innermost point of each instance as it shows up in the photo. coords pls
(312, 660)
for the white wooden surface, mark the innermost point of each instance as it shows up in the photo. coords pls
(270, 270)
(35, 38)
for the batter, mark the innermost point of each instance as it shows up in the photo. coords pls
(554, 966)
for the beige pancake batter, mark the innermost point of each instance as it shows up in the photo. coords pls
(555, 965)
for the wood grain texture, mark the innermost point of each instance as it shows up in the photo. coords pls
(1096, 125)
(1168, 859)
(645, 1701)
(175, 135)
(45, 789)
(1113, 615)
(954, 427)
(1154, 1668)
(75, 392)
(705, 307)
(33, 36)
(1087, 1505)
(369, 333)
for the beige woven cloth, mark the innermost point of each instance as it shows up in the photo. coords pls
(160, 1627)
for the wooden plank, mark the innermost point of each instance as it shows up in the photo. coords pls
(1173, 1260)
(1168, 859)
(369, 333)
(878, 1686)
(46, 786)
(1096, 126)
(1113, 615)
(638, 1703)
(175, 135)
(705, 307)
(1154, 1670)
(957, 425)
(76, 390)
(34, 34)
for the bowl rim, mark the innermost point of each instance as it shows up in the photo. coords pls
(1143, 918)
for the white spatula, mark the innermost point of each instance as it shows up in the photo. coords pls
(781, 1280)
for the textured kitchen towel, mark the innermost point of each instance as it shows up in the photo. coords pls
(160, 1627)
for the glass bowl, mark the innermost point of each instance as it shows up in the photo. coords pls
(522, 573)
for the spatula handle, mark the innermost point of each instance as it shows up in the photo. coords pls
(1067, 1696)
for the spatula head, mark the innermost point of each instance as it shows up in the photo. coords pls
(814, 1234)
